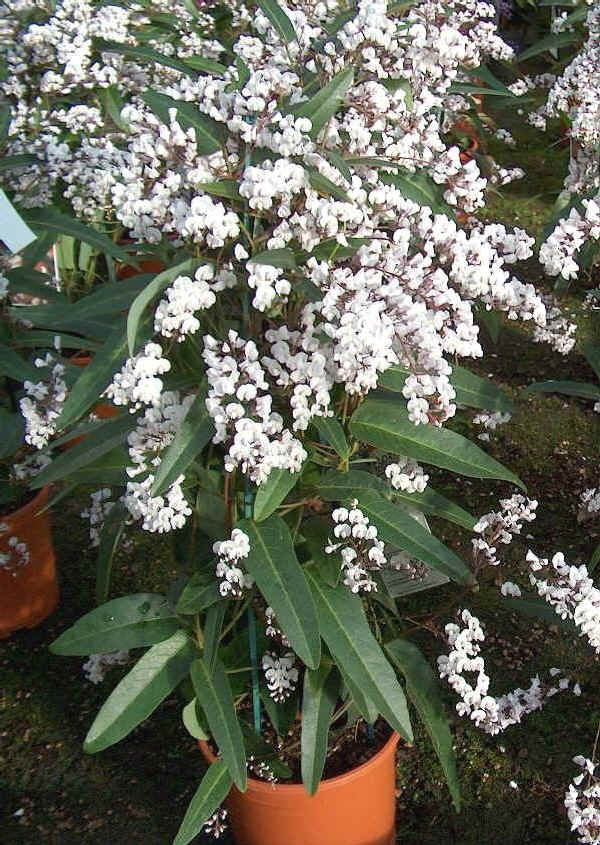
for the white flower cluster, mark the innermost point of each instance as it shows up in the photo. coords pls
(570, 592)
(281, 674)
(493, 715)
(361, 551)
(97, 665)
(162, 513)
(509, 588)
(570, 234)
(272, 629)
(233, 579)
(175, 315)
(138, 383)
(42, 405)
(155, 429)
(17, 556)
(582, 802)
(216, 826)
(406, 475)
(97, 512)
(589, 503)
(500, 527)
(490, 420)
(241, 407)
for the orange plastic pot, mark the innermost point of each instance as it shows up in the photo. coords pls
(147, 265)
(356, 808)
(29, 593)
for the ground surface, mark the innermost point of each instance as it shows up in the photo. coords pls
(50, 792)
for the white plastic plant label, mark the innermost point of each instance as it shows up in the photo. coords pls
(15, 233)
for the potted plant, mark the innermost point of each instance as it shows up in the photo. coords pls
(283, 378)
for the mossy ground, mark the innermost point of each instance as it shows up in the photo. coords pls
(51, 792)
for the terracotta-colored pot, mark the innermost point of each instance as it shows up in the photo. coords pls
(356, 808)
(28, 593)
(147, 265)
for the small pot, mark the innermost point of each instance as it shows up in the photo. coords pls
(356, 808)
(147, 265)
(29, 593)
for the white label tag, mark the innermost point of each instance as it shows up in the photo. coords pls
(15, 233)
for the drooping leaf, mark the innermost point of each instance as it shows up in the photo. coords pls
(362, 703)
(226, 188)
(214, 696)
(194, 432)
(357, 652)
(132, 51)
(15, 367)
(273, 491)
(595, 558)
(283, 257)
(128, 622)
(273, 564)
(592, 355)
(418, 187)
(12, 432)
(213, 625)
(325, 186)
(56, 223)
(199, 593)
(395, 526)
(278, 19)
(339, 163)
(538, 609)
(113, 103)
(423, 690)
(317, 533)
(152, 679)
(582, 389)
(321, 689)
(330, 430)
(209, 133)
(213, 790)
(110, 537)
(193, 718)
(323, 105)
(386, 425)
(550, 42)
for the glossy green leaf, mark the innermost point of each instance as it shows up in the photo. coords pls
(213, 626)
(56, 223)
(325, 186)
(203, 65)
(317, 533)
(110, 537)
(194, 432)
(592, 355)
(282, 714)
(199, 593)
(273, 491)
(128, 622)
(331, 430)
(471, 389)
(339, 163)
(273, 564)
(355, 649)
(214, 696)
(550, 42)
(150, 292)
(17, 368)
(386, 425)
(152, 679)
(323, 105)
(395, 526)
(423, 690)
(595, 558)
(226, 188)
(209, 133)
(319, 696)
(113, 103)
(213, 790)
(12, 432)
(192, 718)
(278, 19)
(15, 161)
(417, 187)
(363, 704)
(283, 257)
(582, 389)
(132, 51)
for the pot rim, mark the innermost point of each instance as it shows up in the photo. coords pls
(262, 786)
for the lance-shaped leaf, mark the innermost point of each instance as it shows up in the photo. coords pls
(386, 425)
(273, 564)
(113, 103)
(337, 486)
(141, 619)
(330, 430)
(214, 695)
(199, 593)
(209, 133)
(150, 292)
(395, 526)
(325, 186)
(424, 692)
(278, 20)
(213, 625)
(193, 719)
(16, 161)
(56, 223)
(357, 652)
(273, 491)
(321, 689)
(282, 257)
(102, 440)
(110, 537)
(550, 42)
(363, 704)
(152, 679)
(594, 559)
(15, 367)
(132, 51)
(538, 609)
(582, 389)
(592, 355)
(213, 790)
(320, 108)
(194, 432)
(12, 432)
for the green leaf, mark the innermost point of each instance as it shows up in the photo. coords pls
(199, 593)
(325, 186)
(214, 696)
(363, 704)
(5, 121)
(152, 679)
(273, 491)
(483, 72)
(55, 223)
(203, 65)
(418, 187)
(339, 163)
(386, 425)
(128, 622)
(213, 625)
(113, 103)
(283, 258)
(282, 715)
(194, 432)
(471, 390)
(550, 42)
(96, 377)
(317, 532)
(395, 526)
(209, 134)
(226, 188)
(22, 160)
(595, 558)
(331, 430)
(330, 249)
(145, 297)
(336, 486)
(582, 389)
(278, 19)
(131, 51)
(466, 88)
(321, 689)
(538, 609)
(320, 108)
(27, 280)
(357, 652)
(110, 537)
(192, 720)
(97, 444)
(213, 790)
(491, 322)
(12, 432)
(424, 691)
(273, 564)
(15, 367)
